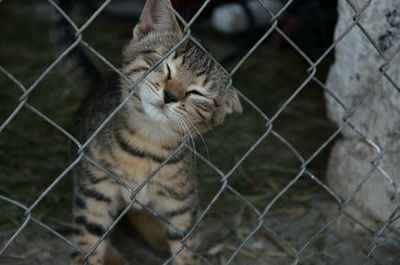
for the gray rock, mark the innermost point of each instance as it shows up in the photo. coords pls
(350, 165)
(355, 72)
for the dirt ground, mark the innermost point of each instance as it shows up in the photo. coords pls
(218, 238)
(32, 154)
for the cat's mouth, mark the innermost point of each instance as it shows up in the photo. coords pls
(157, 111)
(153, 106)
(159, 106)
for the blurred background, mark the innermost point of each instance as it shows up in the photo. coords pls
(33, 153)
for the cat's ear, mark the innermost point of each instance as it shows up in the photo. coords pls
(231, 102)
(157, 16)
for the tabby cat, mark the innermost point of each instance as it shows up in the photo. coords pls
(185, 93)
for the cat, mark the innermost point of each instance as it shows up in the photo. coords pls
(186, 93)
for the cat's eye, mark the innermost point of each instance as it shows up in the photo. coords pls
(195, 92)
(168, 73)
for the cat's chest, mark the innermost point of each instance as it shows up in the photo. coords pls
(143, 177)
(135, 174)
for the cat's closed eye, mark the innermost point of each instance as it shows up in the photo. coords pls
(168, 72)
(195, 92)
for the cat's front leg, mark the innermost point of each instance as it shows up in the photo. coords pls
(184, 223)
(180, 209)
(94, 209)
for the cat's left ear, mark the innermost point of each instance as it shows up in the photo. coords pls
(157, 16)
(231, 101)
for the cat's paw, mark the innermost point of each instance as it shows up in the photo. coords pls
(113, 257)
(92, 260)
(186, 258)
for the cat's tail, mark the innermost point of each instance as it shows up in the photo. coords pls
(76, 66)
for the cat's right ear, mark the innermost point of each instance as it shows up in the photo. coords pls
(157, 16)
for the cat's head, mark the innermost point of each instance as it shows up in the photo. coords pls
(188, 88)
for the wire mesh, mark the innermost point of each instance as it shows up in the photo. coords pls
(225, 187)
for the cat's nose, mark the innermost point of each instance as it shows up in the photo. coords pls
(169, 97)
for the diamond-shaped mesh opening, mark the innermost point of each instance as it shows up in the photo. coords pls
(332, 246)
(32, 246)
(48, 208)
(37, 152)
(11, 219)
(296, 216)
(110, 44)
(265, 172)
(274, 86)
(223, 236)
(351, 239)
(30, 53)
(249, 126)
(300, 118)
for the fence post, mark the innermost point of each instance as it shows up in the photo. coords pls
(367, 63)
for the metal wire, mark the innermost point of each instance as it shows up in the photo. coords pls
(225, 187)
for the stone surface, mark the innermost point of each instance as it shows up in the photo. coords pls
(356, 71)
(350, 165)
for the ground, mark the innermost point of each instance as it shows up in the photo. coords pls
(33, 154)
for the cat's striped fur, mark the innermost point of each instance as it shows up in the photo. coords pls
(184, 93)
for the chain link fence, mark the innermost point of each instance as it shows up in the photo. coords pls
(376, 235)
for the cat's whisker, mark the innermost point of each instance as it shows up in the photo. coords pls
(183, 118)
(198, 133)
(180, 123)
(196, 129)
(181, 127)
(180, 117)
(191, 138)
